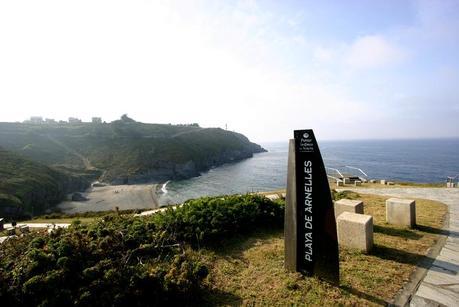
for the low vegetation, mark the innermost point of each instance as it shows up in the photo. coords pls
(226, 250)
(121, 260)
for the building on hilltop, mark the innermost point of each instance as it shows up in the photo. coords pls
(50, 121)
(35, 120)
(96, 120)
(74, 120)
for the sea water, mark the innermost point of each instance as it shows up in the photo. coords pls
(397, 160)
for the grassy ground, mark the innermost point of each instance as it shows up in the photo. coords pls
(250, 270)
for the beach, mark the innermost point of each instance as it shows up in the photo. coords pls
(103, 198)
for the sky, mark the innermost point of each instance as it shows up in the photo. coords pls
(365, 69)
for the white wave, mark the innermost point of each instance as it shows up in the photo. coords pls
(163, 188)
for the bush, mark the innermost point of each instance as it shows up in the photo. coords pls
(125, 260)
(210, 219)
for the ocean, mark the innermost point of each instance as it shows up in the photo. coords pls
(427, 161)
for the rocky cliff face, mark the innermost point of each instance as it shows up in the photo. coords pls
(167, 170)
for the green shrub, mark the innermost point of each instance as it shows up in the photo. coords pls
(126, 260)
(210, 219)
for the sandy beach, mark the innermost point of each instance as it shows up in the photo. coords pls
(136, 196)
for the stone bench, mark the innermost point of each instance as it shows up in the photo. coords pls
(355, 231)
(401, 212)
(348, 205)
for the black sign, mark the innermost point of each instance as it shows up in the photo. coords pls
(317, 244)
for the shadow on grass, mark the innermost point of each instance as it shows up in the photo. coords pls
(438, 231)
(397, 255)
(402, 233)
(216, 297)
(234, 247)
(364, 295)
(421, 261)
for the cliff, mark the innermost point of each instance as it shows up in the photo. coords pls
(126, 151)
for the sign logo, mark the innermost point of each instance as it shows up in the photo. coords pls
(317, 244)
(306, 144)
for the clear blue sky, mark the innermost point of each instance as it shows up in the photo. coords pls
(348, 69)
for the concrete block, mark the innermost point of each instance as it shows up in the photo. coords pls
(401, 212)
(339, 183)
(372, 181)
(357, 183)
(450, 184)
(390, 183)
(346, 181)
(355, 231)
(348, 205)
(383, 181)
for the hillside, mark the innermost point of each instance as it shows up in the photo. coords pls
(126, 151)
(30, 188)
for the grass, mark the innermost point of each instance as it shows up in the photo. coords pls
(249, 270)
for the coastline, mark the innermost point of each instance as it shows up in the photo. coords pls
(107, 198)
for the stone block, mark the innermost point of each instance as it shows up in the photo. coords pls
(355, 231)
(390, 183)
(401, 212)
(339, 183)
(357, 183)
(348, 205)
(346, 181)
(372, 181)
(383, 181)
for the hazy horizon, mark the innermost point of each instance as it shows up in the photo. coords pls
(350, 70)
